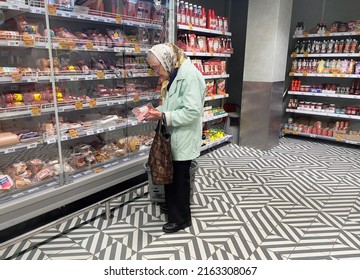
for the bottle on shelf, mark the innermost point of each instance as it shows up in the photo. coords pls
(191, 15)
(187, 15)
(196, 16)
(199, 13)
(182, 12)
(209, 20)
(226, 25)
(203, 17)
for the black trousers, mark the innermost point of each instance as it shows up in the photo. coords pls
(177, 194)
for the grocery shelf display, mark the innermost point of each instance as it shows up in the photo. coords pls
(72, 80)
(206, 39)
(322, 99)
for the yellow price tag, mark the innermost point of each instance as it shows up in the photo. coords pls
(212, 97)
(291, 74)
(118, 19)
(211, 53)
(304, 73)
(342, 75)
(35, 111)
(305, 34)
(223, 31)
(29, 42)
(357, 32)
(71, 45)
(52, 10)
(296, 132)
(136, 98)
(92, 103)
(190, 26)
(339, 138)
(100, 74)
(73, 133)
(293, 54)
(306, 54)
(327, 33)
(193, 52)
(286, 131)
(89, 46)
(63, 44)
(334, 74)
(97, 170)
(137, 49)
(16, 77)
(79, 105)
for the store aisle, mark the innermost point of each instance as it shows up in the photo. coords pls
(300, 200)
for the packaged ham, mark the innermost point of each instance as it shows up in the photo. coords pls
(143, 9)
(130, 8)
(139, 112)
(44, 174)
(6, 183)
(8, 139)
(23, 182)
(202, 46)
(35, 165)
(158, 11)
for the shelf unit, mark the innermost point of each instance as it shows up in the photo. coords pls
(136, 88)
(213, 99)
(323, 96)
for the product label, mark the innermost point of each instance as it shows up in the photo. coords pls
(92, 103)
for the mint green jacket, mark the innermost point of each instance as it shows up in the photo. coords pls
(183, 106)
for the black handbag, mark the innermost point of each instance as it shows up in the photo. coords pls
(160, 158)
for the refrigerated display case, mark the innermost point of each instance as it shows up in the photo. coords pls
(73, 76)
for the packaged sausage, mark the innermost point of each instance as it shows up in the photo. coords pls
(23, 182)
(202, 45)
(221, 86)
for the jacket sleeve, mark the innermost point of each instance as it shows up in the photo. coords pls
(193, 89)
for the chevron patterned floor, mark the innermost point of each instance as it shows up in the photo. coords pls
(300, 200)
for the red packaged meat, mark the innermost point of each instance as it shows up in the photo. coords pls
(6, 183)
(141, 111)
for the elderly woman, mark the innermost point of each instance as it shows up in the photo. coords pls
(183, 93)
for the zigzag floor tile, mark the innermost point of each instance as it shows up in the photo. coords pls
(15, 250)
(75, 252)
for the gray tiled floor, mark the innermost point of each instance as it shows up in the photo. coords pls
(300, 200)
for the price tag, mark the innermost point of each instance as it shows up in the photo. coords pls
(63, 44)
(286, 131)
(35, 111)
(97, 170)
(71, 45)
(211, 53)
(291, 74)
(339, 138)
(81, 17)
(342, 75)
(193, 52)
(66, 14)
(9, 150)
(29, 42)
(296, 132)
(52, 10)
(74, 78)
(118, 49)
(136, 98)
(190, 26)
(293, 54)
(137, 49)
(88, 78)
(64, 138)
(111, 128)
(16, 77)
(51, 140)
(304, 73)
(334, 74)
(79, 105)
(13, 43)
(89, 46)
(100, 74)
(305, 34)
(118, 19)
(327, 33)
(31, 146)
(92, 103)
(90, 132)
(100, 130)
(73, 133)
(306, 54)
(109, 76)
(32, 80)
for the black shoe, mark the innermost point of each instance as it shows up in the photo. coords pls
(163, 208)
(174, 227)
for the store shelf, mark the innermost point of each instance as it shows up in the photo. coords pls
(207, 77)
(20, 147)
(203, 30)
(207, 119)
(80, 133)
(353, 76)
(327, 34)
(325, 94)
(356, 55)
(318, 113)
(215, 97)
(207, 54)
(328, 138)
(218, 142)
(26, 110)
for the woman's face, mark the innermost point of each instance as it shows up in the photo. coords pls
(157, 67)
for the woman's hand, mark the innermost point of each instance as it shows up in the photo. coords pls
(153, 115)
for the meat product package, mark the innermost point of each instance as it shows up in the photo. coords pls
(158, 12)
(141, 111)
(6, 182)
(8, 139)
(130, 7)
(143, 9)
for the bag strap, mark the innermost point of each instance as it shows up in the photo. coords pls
(164, 123)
